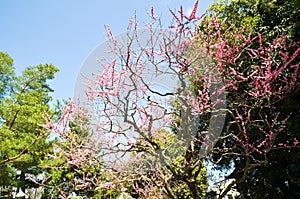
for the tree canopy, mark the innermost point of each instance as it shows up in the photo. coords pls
(23, 105)
(234, 103)
(257, 117)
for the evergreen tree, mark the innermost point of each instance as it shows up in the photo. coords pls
(23, 106)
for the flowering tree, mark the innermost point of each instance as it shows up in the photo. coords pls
(151, 141)
(133, 145)
(266, 98)
(255, 88)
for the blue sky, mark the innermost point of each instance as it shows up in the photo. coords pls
(64, 32)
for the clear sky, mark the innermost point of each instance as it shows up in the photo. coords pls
(64, 32)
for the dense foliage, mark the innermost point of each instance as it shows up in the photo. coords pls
(24, 100)
(272, 171)
(246, 50)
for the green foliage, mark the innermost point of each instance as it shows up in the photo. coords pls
(6, 73)
(179, 173)
(82, 177)
(271, 18)
(23, 105)
(189, 180)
